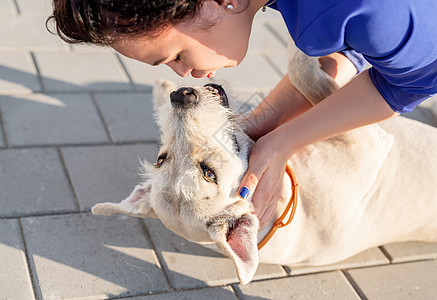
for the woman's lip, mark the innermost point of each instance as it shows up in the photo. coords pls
(209, 75)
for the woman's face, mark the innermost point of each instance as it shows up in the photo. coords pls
(190, 48)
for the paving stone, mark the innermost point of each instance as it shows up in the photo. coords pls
(274, 31)
(93, 257)
(14, 275)
(415, 280)
(409, 251)
(129, 117)
(279, 63)
(263, 41)
(208, 293)
(190, 265)
(82, 72)
(248, 77)
(24, 33)
(245, 102)
(105, 173)
(422, 114)
(7, 8)
(431, 104)
(17, 74)
(40, 119)
(331, 285)
(366, 258)
(39, 7)
(279, 29)
(91, 48)
(33, 181)
(144, 76)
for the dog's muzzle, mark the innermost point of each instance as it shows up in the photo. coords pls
(187, 96)
(184, 97)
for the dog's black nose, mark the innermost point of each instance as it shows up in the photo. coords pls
(184, 96)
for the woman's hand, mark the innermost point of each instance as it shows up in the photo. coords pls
(266, 172)
(357, 104)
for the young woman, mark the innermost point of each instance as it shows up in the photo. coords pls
(397, 37)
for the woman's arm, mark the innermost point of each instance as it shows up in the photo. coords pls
(285, 102)
(356, 104)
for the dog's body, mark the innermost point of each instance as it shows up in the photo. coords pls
(367, 187)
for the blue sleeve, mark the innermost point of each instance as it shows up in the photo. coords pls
(397, 37)
(400, 42)
(356, 58)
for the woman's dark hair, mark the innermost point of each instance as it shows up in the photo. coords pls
(100, 21)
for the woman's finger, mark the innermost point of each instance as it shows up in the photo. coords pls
(265, 196)
(248, 183)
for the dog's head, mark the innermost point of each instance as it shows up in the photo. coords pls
(192, 187)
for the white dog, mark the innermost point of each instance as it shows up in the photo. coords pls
(367, 187)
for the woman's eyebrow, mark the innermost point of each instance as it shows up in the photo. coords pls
(159, 61)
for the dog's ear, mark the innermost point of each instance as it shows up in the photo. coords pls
(161, 92)
(237, 238)
(136, 205)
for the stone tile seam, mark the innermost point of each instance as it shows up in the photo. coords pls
(3, 131)
(38, 72)
(353, 284)
(17, 10)
(386, 254)
(160, 259)
(66, 93)
(154, 293)
(272, 30)
(68, 177)
(43, 215)
(126, 72)
(238, 294)
(273, 65)
(345, 269)
(102, 119)
(85, 145)
(29, 263)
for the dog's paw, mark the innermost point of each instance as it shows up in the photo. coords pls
(161, 92)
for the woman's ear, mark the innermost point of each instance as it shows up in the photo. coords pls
(228, 5)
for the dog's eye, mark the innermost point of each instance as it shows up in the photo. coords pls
(161, 160)
(208, 174)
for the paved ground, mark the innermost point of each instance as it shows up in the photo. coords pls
(74, 121)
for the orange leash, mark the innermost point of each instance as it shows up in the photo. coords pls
(292, 203)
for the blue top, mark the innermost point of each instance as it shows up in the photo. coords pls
(397, 37)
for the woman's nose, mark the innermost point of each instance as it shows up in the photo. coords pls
(179, 68)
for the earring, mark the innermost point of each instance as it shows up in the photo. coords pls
(230, 6)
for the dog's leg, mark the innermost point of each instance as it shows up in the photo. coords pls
(307, 77)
